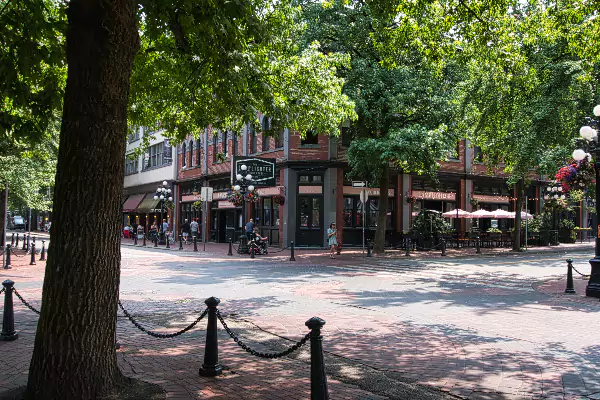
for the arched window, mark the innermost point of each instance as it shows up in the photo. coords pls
(198, 152)
(191, 153)
(183, 155)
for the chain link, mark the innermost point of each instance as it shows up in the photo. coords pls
(290, 350)
(24, 302)
(13, 253)
(279, 251)
(161, 335)
(3, 290)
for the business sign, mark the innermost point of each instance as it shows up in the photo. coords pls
(482, 198)
(261, 169)
(420, 194)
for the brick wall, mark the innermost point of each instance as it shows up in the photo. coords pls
(320, 153)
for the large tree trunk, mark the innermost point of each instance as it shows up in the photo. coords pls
(379, 246)
(74, 353)
(518, 207)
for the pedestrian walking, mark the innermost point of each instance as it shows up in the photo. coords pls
(332, 239)
(165, 226)
(250, 229)
(185, 230)
(194, 228)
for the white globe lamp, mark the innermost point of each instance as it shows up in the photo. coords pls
(251, 188)
(155, 197)
(170, 198)
(586, 132)
(162, 197)
(248, 177)
(236, 187)
(579, 155)
(244, 167)
(164, 183)
(597, 110)
(238, 177)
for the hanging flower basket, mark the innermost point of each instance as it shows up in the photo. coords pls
(474, 202)
(411, 199)
(169, 205)
(235, 198)
(252, 196)
(197, 205)
(279, 199)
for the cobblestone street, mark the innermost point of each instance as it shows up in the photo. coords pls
(493, 327)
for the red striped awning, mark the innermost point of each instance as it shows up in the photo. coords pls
(132, 202)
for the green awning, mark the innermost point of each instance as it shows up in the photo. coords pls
(148, 205)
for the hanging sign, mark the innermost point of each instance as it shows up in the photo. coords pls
(261, 169)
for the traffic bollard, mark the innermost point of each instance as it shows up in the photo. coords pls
(43, 256)
(180, 242)
(318, 377)
(24, 248)
(12, 239)
(32, 262)
(8, 333)
(135, 240)
(407, 247)
(443, 245)
(570, 286)
(210, 366)
(369, 249)
(292, 258)
(195, 244)
(230, 252)
(7, 264)
(168, 241)
(144, 240)
(17, 242)
(252, 250)
(155, 241)
(478, 245)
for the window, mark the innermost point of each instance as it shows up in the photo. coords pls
(353, 212)
(252, 134)
(346, 136)
(266, 141)
(198, 153)
(477, 154)
(235, 144)
(191, 153)
(279, 139)
(224, 142)
(183, 154)
(454, 154)
(348, 211)
(311, 138)
(131, 164)
(155, 155)
(135, 135)
(215, 148)
(267, 212)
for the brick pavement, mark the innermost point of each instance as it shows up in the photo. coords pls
(470, 329)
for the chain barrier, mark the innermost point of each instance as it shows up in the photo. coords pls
(279, 251)
(584, 275)
(14, 253)
(161, 335)
(428, 248)
(289, 350)
(2, 291)
(24, 302)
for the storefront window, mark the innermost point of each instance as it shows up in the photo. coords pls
(315, 213)
(373, 211)
(267, 211)
(304, 213)
(348, 210)
(276, 214)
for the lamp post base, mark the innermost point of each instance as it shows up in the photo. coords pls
(593, 287)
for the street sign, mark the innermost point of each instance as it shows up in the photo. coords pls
(206, 193)
(359, 184)
(261, 169)
(364, 195)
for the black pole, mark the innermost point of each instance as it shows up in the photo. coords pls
(167, 240)
(443, 244)
(369, 249)
(230, 252)
(251, 247)
(195, 243)
(570, 287)
(43, 255)
(407, 247)
(318, 378)
(32, 262)
(8, 333)
(180, 242)
(24, 243)
(144, 240)
(211, 366)
(28, 243)
(156, 240)
(135, 240)
(478, 245)
(292, 258)
(7, 265)
(17, 242)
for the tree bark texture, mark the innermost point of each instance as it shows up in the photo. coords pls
(379, 246)
(74, 352)
(518, 207)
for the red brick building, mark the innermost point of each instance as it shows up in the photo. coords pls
(311, 176)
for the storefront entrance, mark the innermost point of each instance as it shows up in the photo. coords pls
(310, 221)
(225, 225)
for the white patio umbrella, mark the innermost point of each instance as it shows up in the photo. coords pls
(458, 213)
(526, 215)
(499, 213)
(482, 214)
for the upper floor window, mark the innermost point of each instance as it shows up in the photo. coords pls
(454, 153)
(252, 134)
(346, 135)
(279, 139)
(235, 144)
(224, 142)
(131, 164)
(135, 135)
(477, 154)
(215, 139)
(183, 154)
(198, 153)
(311, 137)
(266, 143)
(155, 155)
(191, 153)
(265, 126)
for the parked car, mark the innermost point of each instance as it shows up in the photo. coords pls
(19, 222)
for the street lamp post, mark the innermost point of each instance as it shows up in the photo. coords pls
(591, 145)
(242, 185)
(163, 193)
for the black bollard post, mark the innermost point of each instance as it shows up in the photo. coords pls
(43, 256)
(7, 265)
(17, 243)
(230, 252)
(155, 241)
(210, 366)
(12, 239)
(135, 240)
(168, 241)
(144, 240)
(292, 258)
(443, 244)
(28, 243)
(24, 243)
(196, 243)
(180, 242)
(318, 377)
(251, 250)
(369, 249)
(8, 333)
(407, 247)
(570, 286)
(32, 262)
(478, 245)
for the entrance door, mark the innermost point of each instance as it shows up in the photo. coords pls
(310, 221)
(222, 235)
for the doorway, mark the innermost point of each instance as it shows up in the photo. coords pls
(310, 221)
